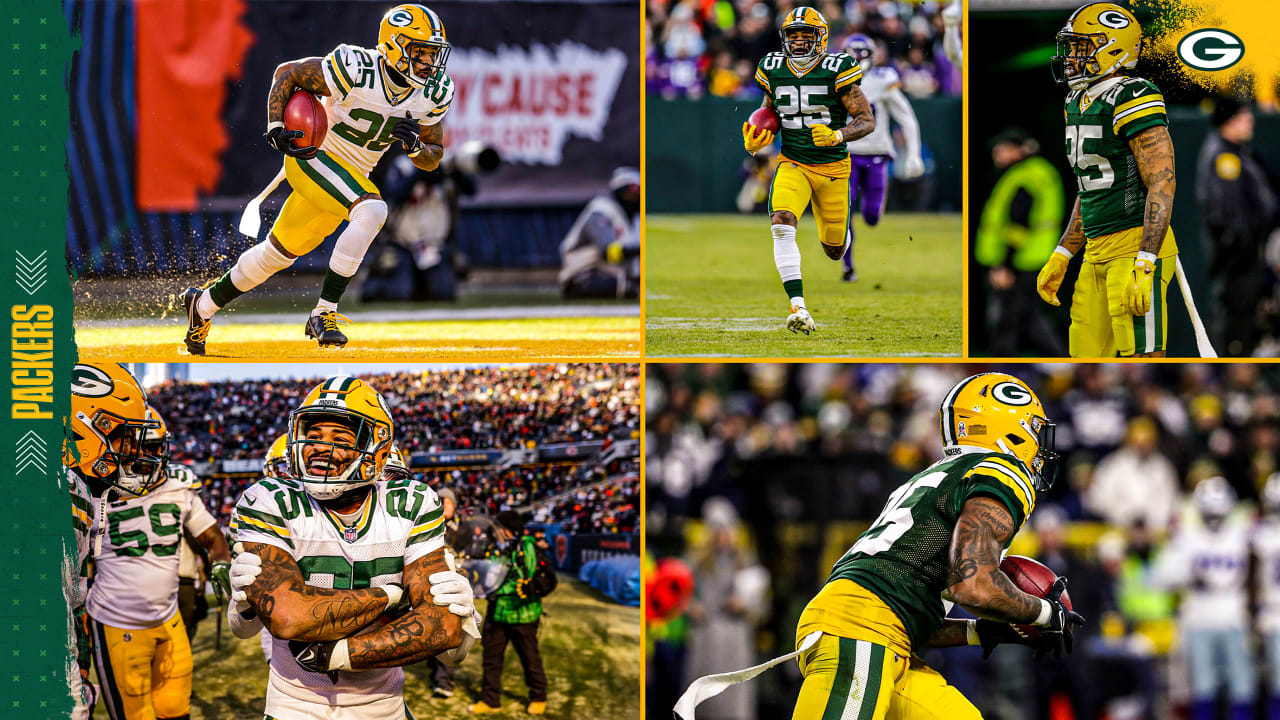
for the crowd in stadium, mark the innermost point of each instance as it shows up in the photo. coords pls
(701, 47)
(1156, 549)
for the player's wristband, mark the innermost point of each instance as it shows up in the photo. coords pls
(971, 632)
(273, 125)
(1144, 256)
(1063, 251)
(1046, 612)
(394, 593)
(340, 659)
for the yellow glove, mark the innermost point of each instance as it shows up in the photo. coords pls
(824, 136)
(1137, 291)
(1050, 277)
(755, 139)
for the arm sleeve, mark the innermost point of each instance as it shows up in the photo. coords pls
(953, 45)
(1138, 106)
(427, 534)
(903, 114)
(1003, 478)
(254, 520)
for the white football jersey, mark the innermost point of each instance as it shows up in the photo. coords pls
(876, 85)
(135, 584)
(402, 522)
(1266, 545)
(188, 557)
(362, 110)
(74, 583)
(1213, 566)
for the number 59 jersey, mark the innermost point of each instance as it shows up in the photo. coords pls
(401, 522)
(363, 110)
(805, 99)
(135, 584)
(904, 556)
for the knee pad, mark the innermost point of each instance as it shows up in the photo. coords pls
(366, 219)
(257, 264)
(372, 211)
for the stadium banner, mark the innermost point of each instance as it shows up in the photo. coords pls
(584, 548)
(569, 451)
(37, 331)
(455, 457)
(554, 87)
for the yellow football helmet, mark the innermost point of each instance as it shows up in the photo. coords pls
(1099, 39)
(155, 440)
(396, 468)
(1000, 412)
(412, 41)
(109, 423)
(276, 463)
(803, 25)
(350, 402)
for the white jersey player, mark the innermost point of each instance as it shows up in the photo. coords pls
(396, 93)
(75, 588)
(338, 554)
(870, 155)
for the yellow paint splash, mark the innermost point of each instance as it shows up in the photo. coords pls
(1253, 21)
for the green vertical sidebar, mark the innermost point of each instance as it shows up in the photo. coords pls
(36, 334)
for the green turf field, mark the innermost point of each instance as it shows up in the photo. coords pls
(712, 289)
(590, 650)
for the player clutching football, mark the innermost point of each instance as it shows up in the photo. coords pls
(1119, 148)
(939, 540)
(395, 93)
(345, 568)
(140, 512)
(820, 108)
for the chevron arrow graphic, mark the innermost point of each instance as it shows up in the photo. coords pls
(31, 451)
(31, 273)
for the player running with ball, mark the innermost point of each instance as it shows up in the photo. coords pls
(820, 109)
(396, 93)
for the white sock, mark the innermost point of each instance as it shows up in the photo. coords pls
(252, 268)
(206, 306)
(323, 306)
(786, 255)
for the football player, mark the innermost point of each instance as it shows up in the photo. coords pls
(330, 552)
(871, 155)
(395, 93)
(820, 108)
(1119, 148)
(938, 541)
(1265, 542)
(140, 645)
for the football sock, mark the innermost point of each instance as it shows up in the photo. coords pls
(786, 255)
(252, 268)
(365, 221)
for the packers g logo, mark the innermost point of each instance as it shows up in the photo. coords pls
(1210, 49)
(1011, 394)
(1113, 19)
(89, 381)
(400, 18)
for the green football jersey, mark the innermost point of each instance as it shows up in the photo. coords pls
(904, 556)
(1100, 122)
(810, 98)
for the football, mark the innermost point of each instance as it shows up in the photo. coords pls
(305, 112)
(764, 118)
(1032, 578)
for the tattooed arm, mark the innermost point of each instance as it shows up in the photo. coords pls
(1153, 149)
(426, 631)
(306, 74)
(1073, 237)
(953, 633)
(975, 579)
(432, 138)
(293, 610)
(861, 120)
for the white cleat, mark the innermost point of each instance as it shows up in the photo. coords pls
(800, 321)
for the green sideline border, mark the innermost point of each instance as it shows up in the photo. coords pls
(34, 288)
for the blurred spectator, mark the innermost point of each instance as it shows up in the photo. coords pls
(1266, 547)
(713, 46)
(1018, 232)
(1135, 483)
(1237, 206)
(600, 255)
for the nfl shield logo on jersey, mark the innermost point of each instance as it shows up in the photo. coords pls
(128, 637)
(349, 534)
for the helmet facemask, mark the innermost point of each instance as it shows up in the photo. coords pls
(125, 462)
(420, 61)
(1077, 63)
(1045, 463)
(335, 467)
(802, 42)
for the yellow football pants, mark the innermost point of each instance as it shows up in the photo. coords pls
(325, 188)
(794, 186)
(145, 674)
(846, 678)
(1100, 325)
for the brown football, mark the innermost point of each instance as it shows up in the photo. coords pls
(764, 118)
(1032, 578)
(305, 112)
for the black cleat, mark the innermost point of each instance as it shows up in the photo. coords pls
(850, 275)
(324, 329)
(197, 327)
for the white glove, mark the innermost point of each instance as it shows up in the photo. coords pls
(450, 588)
(913, 167)
(470, 633)
(245, 568)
